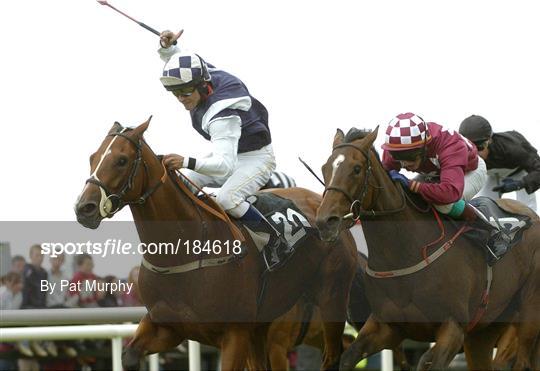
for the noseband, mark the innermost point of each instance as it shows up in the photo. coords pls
(110, 202)
(356, 210)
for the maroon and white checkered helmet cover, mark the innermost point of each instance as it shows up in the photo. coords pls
(405, 131)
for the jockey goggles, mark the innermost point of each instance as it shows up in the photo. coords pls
(481, 144)
(184, 91)
(408, 155)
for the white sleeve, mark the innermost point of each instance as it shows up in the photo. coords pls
(166, 53)
(224, 134)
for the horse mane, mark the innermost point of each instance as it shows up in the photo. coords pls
(357, 134)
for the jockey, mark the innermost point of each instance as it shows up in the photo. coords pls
(509, 157)
(236, 124)
(451, 172)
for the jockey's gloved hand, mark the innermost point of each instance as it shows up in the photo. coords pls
(168, 38)
(509, 185)
(398, 177)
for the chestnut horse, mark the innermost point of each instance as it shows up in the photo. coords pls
(210, 297)
(438, 298)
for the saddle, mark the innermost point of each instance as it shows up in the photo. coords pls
(510, 228)
(287, 219)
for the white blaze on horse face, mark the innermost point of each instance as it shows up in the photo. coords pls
(105, 204)
(335, 166)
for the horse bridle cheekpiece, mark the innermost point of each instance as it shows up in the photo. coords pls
(110, 203)
(355, 210)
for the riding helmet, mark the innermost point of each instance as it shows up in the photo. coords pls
(475, 128)
(183, 70)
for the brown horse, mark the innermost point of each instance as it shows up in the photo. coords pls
(441, 298)
(210, 297)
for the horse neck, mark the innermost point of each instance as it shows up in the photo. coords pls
(396, 240)
(167, 215)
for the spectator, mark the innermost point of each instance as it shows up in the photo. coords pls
(108, 298)
(32, 296)
(17, 264)
(132, 299)
(11, 298)
(58, 299)
(84, 276)
(10, 291)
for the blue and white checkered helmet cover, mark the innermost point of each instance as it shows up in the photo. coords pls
(183, 69)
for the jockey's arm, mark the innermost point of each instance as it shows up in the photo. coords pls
(224, 135)
(166, 53)
(448, 190)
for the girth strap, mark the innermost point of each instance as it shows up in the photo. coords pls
(484, 302)
(183, 268)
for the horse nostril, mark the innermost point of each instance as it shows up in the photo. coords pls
(332, 221)
(329, 223)
(88, 209)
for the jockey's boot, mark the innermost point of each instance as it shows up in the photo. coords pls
(496, 240)
(257, 223)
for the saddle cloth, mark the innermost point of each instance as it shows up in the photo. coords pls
(511, 225)
(286, 218)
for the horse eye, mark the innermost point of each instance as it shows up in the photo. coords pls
(357, 169)
(122, 161)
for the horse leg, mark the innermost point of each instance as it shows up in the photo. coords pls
(332, 303)
(479, 345)
(506, 348)
(449, 340)
(528, 331)
(278, 356)
(235, 349)
(332, 344)
(333, 314)
(259, 356)
(536, 360)
(529, 319)
(399, 357)
(149, 338)
(373, 337)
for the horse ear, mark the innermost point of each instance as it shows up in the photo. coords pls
(139, 130)
(338, 138)
(372, 136)
(115, 128)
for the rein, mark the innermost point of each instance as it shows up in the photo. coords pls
(356, 210)
(215, 210)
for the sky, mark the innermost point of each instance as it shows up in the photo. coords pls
(72, 68)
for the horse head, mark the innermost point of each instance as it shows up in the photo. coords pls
(115, 175)
(354, 179)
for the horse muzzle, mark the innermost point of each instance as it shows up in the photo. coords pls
(88, 214)
(329, 228)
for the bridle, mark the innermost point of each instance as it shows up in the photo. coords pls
(356, 210)
(110, 202)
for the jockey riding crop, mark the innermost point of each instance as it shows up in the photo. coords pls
(104, 2)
